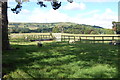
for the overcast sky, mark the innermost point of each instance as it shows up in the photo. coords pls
(91, 12)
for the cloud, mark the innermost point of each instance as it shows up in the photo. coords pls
(89, 13)
(75, 6)
(21, 17)
(25, 11)
(47, 16)
(108, 15)
(100, 19)
(39, 15)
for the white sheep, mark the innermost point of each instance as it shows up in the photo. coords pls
(71, 41)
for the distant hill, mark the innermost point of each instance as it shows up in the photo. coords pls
(13, 24)
(66, 27)
(97, 27)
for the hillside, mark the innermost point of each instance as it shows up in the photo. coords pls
(39, 24)
(66, 27)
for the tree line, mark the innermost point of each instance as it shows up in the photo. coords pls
(57, 28)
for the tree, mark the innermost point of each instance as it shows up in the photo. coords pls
(0, 27)
(56, 29)
(5, 40)
(4, 19)
(116, 27)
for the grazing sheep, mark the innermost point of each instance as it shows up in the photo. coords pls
(39, 44)
(115, 42)
(72, 41)
(26, 38)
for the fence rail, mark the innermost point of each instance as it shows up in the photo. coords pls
(90, 38)
(82, 38)
(29, 37)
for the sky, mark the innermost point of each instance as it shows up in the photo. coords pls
(91, 12)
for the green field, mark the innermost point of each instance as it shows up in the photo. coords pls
(60, 60)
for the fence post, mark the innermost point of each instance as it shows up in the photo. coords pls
(49, 36)
(86, 37)
(68, 38)
(103, 39)
(74, 38)
(32, 36)
(61, 37)
(64, 38)
(35, 36)
(41, 36)
(112, 38)
(79, 38)
(94, 39)
(38, 36)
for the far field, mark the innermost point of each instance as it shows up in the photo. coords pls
(60, 60)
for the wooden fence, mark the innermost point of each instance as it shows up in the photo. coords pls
(82, 38)
(29, 37)
(92, 39)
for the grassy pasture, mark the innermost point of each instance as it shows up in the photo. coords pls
(60, 60)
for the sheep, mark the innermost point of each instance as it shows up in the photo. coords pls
(39, 44)
(71, 41)
(114, 42)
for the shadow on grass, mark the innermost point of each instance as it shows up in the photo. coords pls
(31, 57)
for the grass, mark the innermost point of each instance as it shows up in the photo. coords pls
(60, 60)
